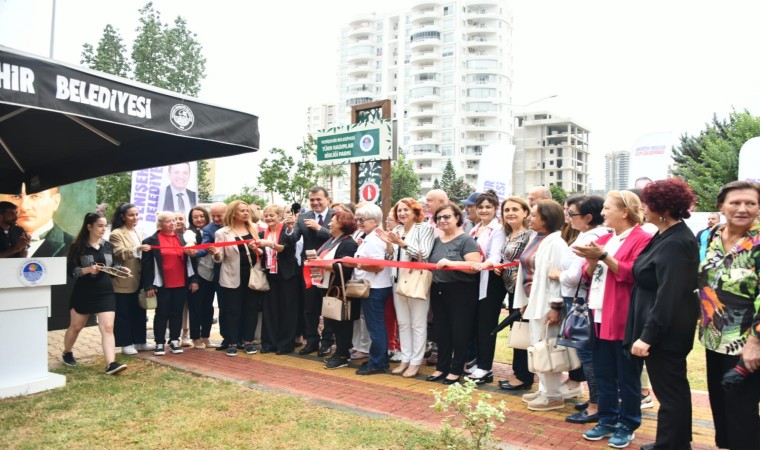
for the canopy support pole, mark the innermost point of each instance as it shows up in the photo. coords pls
(13, 114)
(11, 155)
(94, 130)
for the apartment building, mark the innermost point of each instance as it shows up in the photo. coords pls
(616, 168)
(549, 151)
(447, 68)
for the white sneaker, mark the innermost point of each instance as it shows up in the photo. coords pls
(129, 350)
(542, 403)
(568, 392)
(477, 373)
(396, 356)
(472, 369)
(647, 402)
(530, 396)
(147, 347)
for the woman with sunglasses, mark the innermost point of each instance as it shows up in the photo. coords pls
(453, 294)
(609, 268)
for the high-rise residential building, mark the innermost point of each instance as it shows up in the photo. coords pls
(616, 167)
(319, 117)
(447, 68)
(549, 151)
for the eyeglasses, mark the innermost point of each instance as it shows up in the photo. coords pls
(443, 216)
(573, 214)
(361, 220)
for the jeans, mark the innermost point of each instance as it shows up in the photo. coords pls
(373, 308)
(129, 325)
(618, 378)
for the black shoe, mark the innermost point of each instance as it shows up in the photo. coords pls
(487, 378)
(68, 359)
(369, 370)
(174, 347)
(336, 363)
(250, 349)
(231, 350)
(266, 350)
(511, 387)
(436, 378)
(298, 344)
(448, 381)
(240, 346)
(366, 363)
(582, 417)
(223, 346)
(283, 352)
(581, 406)
(308, 349)
(160, 350)
(647, 446)
(324, 350)
(115, 367)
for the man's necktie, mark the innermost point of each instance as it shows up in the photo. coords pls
(180, 203)
(319, 220)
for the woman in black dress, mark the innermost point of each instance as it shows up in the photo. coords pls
(93, 292)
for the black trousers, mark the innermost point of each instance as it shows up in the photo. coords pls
(312, 310)
(667, 373)
(129, 325)
(171, 302)
(344, 334)
(241, 305)
(734, 411)
(280, 314)
(201, 309)
(519, 357)
(487, 319)
(454, 307)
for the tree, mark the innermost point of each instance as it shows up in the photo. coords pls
(436, 184)
(329, 173)
(718, 160)
(290, 178)
(110, 56)
(460, 190)
(246, 194)
(404, 180)
(558, 193)
(449, 178)
(169, 58)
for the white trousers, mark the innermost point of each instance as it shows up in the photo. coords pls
(548, 382)
(361, 340)
(411, 314)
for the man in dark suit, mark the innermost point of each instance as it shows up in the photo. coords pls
(176, 196)
(13, 240)
(312, 227)
(35, 216)
(217, 211)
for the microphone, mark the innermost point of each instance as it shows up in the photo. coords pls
(295, 208)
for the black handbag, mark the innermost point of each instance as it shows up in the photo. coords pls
(577, 329)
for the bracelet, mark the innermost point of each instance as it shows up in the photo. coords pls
(602, 256)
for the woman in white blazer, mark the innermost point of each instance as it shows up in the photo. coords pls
(539, 297)
(240, 301)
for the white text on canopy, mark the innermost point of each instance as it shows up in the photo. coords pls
(78, 91)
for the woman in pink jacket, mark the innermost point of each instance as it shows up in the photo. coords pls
(609, 267)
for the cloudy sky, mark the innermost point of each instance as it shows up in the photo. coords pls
(622, 69)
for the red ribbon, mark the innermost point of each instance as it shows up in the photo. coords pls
(383, 263)
(205, 246)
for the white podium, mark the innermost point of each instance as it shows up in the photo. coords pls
(24, 311)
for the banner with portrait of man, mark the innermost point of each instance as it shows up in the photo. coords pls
(166, 188)
(52, 218)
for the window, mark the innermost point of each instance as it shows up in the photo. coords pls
(448, 51)
(481, 92)
(448, 78)
(448, 38)
(446, 122)
(448, 65)
(424, 91)
(447, 136)
(447, 150)
(448, 93)
(424, 35)
(447, 108)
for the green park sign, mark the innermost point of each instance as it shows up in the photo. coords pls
(359, 142)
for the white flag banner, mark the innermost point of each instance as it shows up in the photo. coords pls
(749, 161)
(495, 171)
(166, 188)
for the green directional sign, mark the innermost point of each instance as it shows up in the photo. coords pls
(354, 143)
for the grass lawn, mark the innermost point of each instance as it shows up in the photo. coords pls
(157, 407)
(695, 363)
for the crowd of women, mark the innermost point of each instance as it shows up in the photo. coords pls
(628, 259)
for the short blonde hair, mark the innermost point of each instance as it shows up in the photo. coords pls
(277, 209)
(630, 201)
(163, 215)
(230, 213)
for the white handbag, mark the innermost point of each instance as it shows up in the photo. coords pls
(548, 356)
(519, 335)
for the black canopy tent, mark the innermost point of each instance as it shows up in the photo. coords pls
(61, 123)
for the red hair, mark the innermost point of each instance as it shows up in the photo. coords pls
(671, 195)
(345, 221)
(414, 205)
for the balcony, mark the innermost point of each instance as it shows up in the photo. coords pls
(422, 126)
(483, 13)
(360, 28)
(482, 42)
(425, 57)
(422, 112)
(425, 68)
(358, 69)
(425, 15)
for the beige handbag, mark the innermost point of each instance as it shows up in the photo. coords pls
(358, 288)
(519, 335)
(547, 356)
(336, 306)
(146, 302)
(258, 279)
(414, 283)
